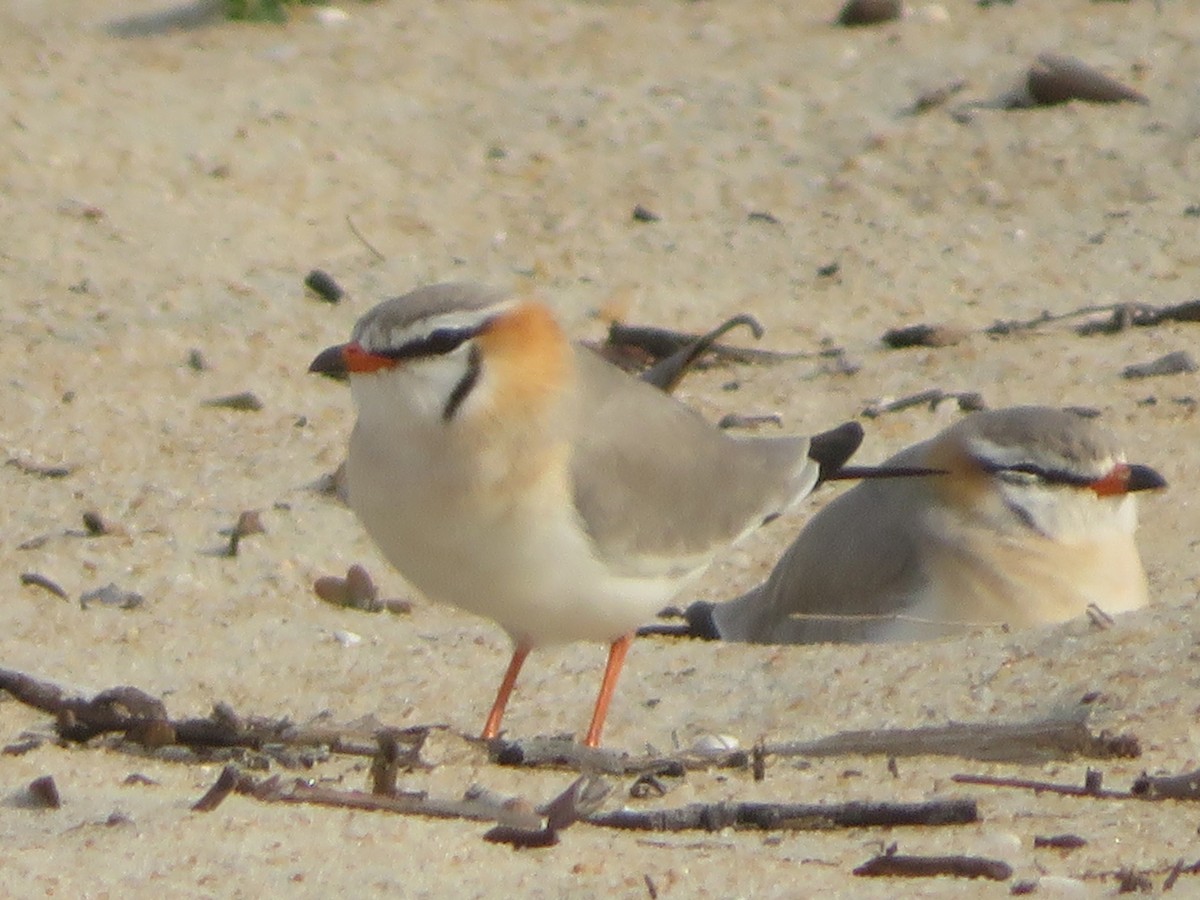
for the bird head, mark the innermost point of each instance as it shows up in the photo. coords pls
(452, 351)
(1049, 470)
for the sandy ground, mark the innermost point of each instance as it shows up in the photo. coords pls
(165, 192)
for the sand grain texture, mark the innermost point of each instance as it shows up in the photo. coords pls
(167, 193)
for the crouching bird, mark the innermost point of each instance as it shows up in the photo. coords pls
(1032, 521)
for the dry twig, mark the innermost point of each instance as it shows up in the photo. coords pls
(1167, 787)
(791, 816)
(35, 579)
(1146, 787)
(143, 719)
(645, 345)
(564, 753)
(892, 864)
(968, 401)
(516, 816)
(581, 799)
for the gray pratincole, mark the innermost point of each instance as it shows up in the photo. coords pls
(1032, 522)
(509, 472)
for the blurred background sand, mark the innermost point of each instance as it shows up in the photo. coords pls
(162, 197)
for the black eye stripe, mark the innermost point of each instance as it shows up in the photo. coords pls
(437, 343)
(465, 385)
(1049, 476)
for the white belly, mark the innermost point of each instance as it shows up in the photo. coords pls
(525, 562)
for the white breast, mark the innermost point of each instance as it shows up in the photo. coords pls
(433, 507)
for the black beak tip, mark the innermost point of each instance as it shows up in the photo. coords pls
(1144, 478)
(330, 362)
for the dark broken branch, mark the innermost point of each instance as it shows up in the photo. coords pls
(226, 784)
(1091, 786)
(791, 816)
(1147, 787)
(1180, 868)
(581, 798)
(669, 370)
(895, 865)
(407, 803)
(642, 346)
(143, 719)
(1120, 317)
(1167, 787)
(968, 401)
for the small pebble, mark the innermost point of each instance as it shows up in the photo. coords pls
(196, 361)
(33, 579)
(330, 15)
(95, 524)
(715, 744)
(361, 592)
(322, 284)
(347, 638)
(80, 210)
(869, 12)
(1059, 841)
(762, 216)
(111, 595)
(1175, 363)
(41, 470)
(246, 401)
(249, 522)
(924, 336)
(642, 214)
(43, 793)
(739, 420)
(1055, 78)
(23, 746)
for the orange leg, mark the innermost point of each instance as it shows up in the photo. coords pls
(616, 659)
(491, 728)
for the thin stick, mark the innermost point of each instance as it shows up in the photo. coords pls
(893, 865)
(358, 234)
(791, 816)
(1168, 787)
(659, 343)
(1090, 788)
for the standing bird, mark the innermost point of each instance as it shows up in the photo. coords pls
(503, 469)
(1031, 522)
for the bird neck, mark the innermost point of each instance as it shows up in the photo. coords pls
(1021, 577)
(527, 363)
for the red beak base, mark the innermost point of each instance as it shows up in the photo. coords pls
(1125, 478)
(346, 359)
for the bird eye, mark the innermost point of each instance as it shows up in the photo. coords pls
(1031, 473)
(1019, 475)
(438, 342)
(445, 340)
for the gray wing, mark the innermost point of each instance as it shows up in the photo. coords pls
(658, 488)
(856, 562)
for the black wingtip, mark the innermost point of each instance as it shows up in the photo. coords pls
(701, 624)
(830, 449)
